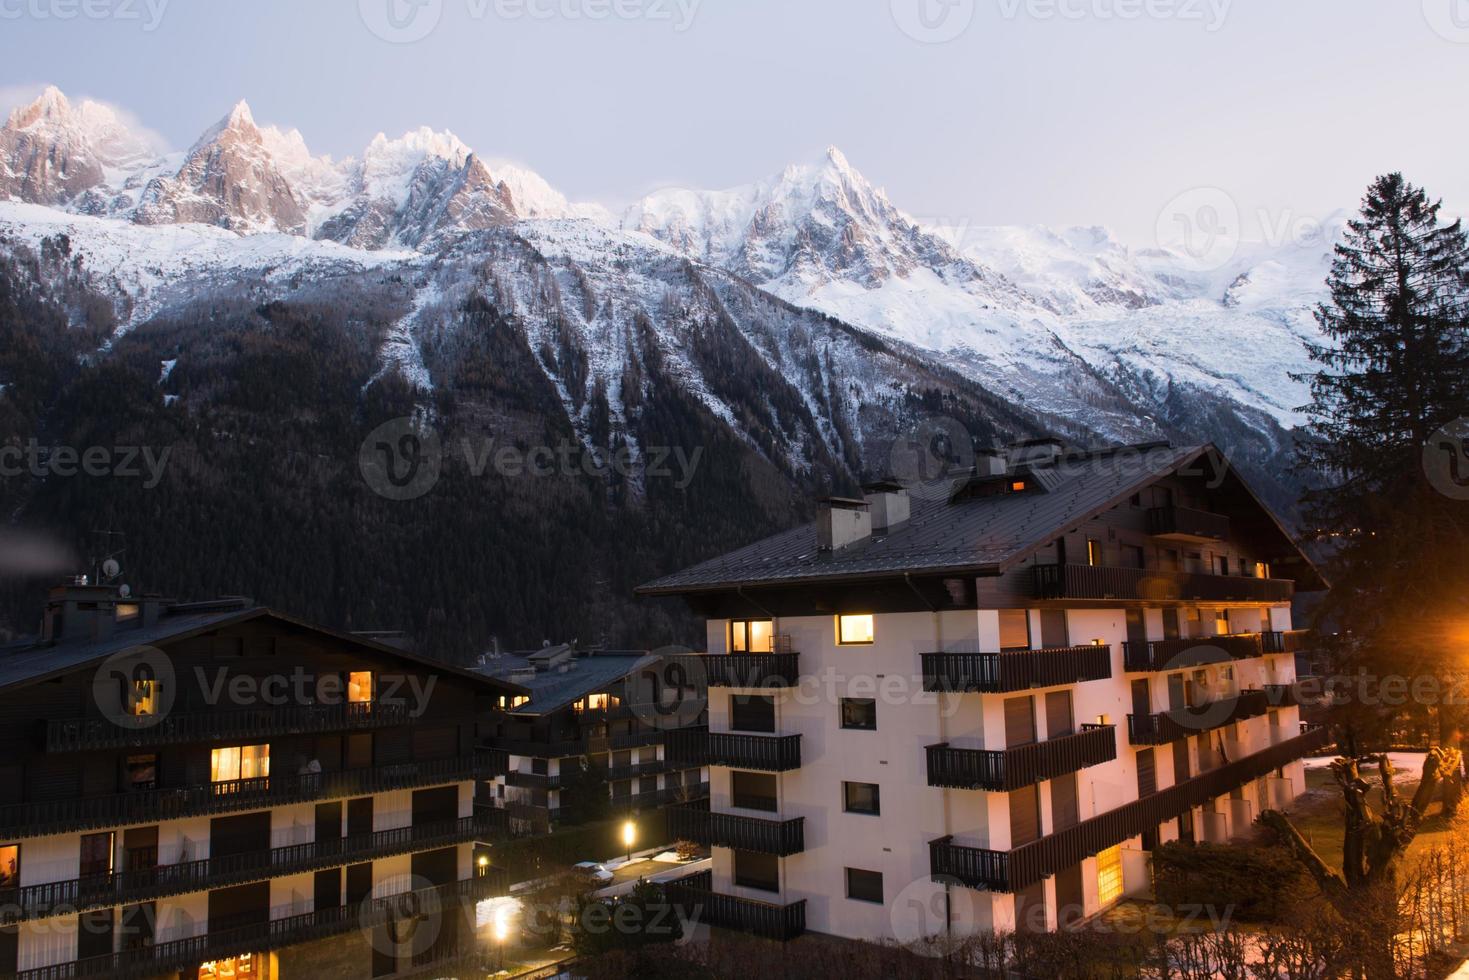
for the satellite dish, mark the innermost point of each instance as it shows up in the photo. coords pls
(110, 567)
(124, 590)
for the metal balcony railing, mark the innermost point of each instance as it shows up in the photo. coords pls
(1289, 641)
(1153, 585)
(86, 734)
(1017, 670)
(695, 822)
(768, 753)
(743, 669)
(1011, 769)
(696, 900)
(1013, 870)
(40, 818)
(1182, 652)
(1170, 726)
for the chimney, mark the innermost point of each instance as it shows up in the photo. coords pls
(989, 462)
(888, 504)
(841, 521)
(1036, 452)
(79, 611)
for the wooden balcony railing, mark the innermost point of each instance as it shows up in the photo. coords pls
(1009, 871)
(1283, 695)
(701, 747)
(41, 818)
(1018, 670)
(695, 822)
(1289, 641)
(696, 900)
(142, 883)
(86, 734)
(743, 669)
(1011, 769)
(636, 769)
(263, 936)
(1154, 585)
(1185, 522)
(1183, 652)
(1170, 726)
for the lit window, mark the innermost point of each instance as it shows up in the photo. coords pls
(9, 865)
(239, 762)
(855, 629)
(126, 611)
(1109, 875)
(1017, 486)
(596, 702)
(143, 697)
(359, 686)
(1093, 551)
(1262, 569)
(751, 636)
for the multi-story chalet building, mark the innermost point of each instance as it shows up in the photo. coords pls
(585, 724)
(977, 705)
(216, 790)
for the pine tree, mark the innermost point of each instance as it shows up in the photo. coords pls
(1394, 372)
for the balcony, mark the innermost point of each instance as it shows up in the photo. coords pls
(1018, 670)
(743, 669)
(1289, 641)
(79, 734)
(698, 902)
(767, 753)
(1283, 695)
(637, 769)
(1154, 585)
(1182, 652)
(40, 818)
(259, 937)
(145, 883)
(687, 793)
(1011, 769)
(1170, 726)
(532, 780)
(1009, 871)
(1186, 524)
(695, 822)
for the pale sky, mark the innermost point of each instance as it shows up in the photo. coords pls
(979, 112)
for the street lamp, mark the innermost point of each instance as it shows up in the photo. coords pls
(501, 932)
(629, 834)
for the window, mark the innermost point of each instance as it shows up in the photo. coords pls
(1223, 564)
(864, 886)
(1014, 629)
(1147, 774)
(752, 870)
(751, 635)
(859, 713)
(1017, 486)
(143, 696)
(126, 611)
(752, 712)
(9, 866)
(1109, 875)
(96, 852)
(1136, 500)
(1262, 569)
(855, 628)
(1133, 556)
(359, 686)
(1093, 552)
(753, 790)
(239, 762)
(142, 771)
(861, 798)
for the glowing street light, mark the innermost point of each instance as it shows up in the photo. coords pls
(629, 834)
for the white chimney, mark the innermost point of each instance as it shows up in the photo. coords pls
(1036, 451)
(989, 462)
(841, 521)
(888, 504)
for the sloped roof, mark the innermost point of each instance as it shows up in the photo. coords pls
(552, 689)
(980, 536)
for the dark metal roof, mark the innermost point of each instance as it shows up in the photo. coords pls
(972, 535)
(28, 663)
(554, 688)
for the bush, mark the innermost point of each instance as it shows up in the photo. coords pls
(1252, 883)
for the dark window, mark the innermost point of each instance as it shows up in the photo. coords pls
(94, 933)
(359, 816)
(326, 889)
(1223, 564)
(9, 949)
(753, 870)
(1136, 500)
(1014, 629)
(752, 712)
(1132, 556)
(1147, 776)
(1025, 815)
(861, 798)
(142, 771)
(96, 854)
(859, 713)
(135, 925)
(864, 886)
(753, 790)
(439, 805)
(359, 883)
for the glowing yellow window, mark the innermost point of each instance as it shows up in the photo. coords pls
(143, 697)
(1109, 876)
(855, 629)
(597, 702)
(751, 635)
(359, 686)
(239, 762)
(1093, 552)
